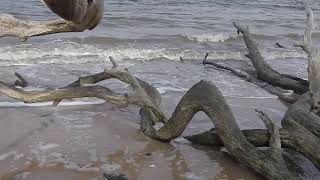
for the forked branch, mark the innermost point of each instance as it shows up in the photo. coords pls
(264, 71)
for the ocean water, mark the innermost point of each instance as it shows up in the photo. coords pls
(146, 30)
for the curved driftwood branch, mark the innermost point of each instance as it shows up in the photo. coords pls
(300, 131)
(11, 26)
(205, 97)
(275, 142)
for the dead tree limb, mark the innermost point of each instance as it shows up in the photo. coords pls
(264, 71)
(265, 76)
(10, 26)
(21, 81)
(279, 45)
(238, 73)
(287, 96)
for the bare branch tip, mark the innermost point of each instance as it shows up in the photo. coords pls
(265, 118)
(181, 60)
(113, 61)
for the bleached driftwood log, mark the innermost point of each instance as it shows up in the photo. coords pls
(79, 16)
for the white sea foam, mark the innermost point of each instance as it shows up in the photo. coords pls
(45, 147)
(210, 37)
(70, 52)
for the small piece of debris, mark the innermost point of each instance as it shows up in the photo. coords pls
(115, 177)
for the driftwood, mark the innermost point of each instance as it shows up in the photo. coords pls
(81, 20)
(264, 76)
(300, 129)
(300, 126)
(264, 71)
(267, 162)
(21, 82)
(287, 96)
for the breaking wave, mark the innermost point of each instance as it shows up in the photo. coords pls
(208, 37)
(60, 52)
(71, 52)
